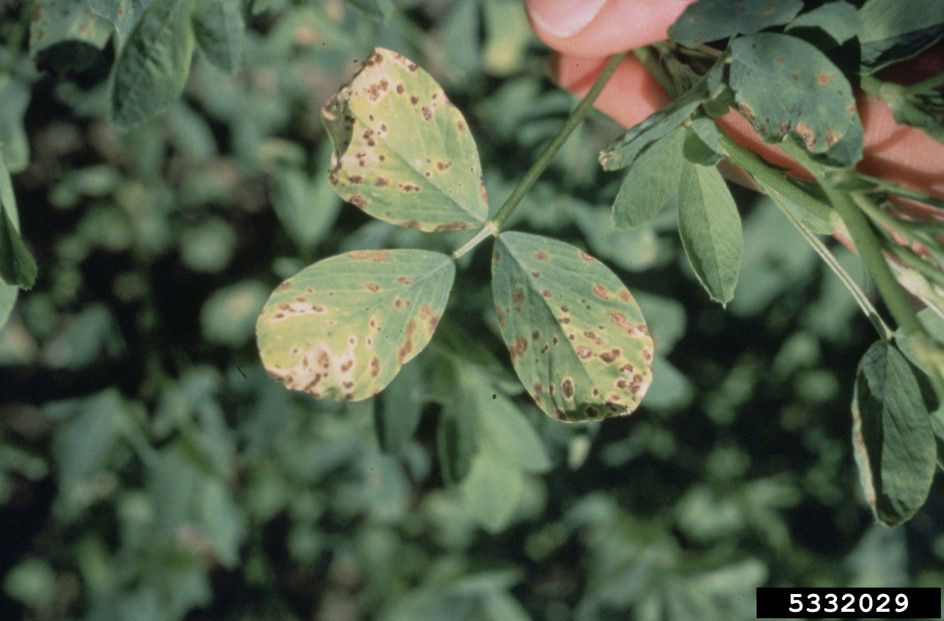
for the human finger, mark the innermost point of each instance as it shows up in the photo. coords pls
(590, 28)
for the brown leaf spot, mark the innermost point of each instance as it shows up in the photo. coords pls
(501, 316)
(824, 78)
(451, 226)
(408, 187)
(546, 293)
(374, 366)
(443, 165)
(609, 356)
(585, 256)
(373, 287)
(625, 295)
(584, 352)
(427, 113)
(601, 291)
(414, 99)
(346, 365)
(381, 181)
(540, 255)
(460, 126)
(400, 89)
(806, 133)
(357, 200)
(518, 347)
(397, 302)
(517, 297)
(407, 348)
(567, 388)
(535, 335)
(377, 256)
(624, 324)
(404, 280)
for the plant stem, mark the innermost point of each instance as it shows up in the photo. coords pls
(645, 56)
(768, 177)
(934, 82)
(575, 118)
(864, 239)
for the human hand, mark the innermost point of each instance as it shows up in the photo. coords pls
(585, 32)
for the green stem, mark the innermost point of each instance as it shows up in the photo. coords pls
(652, 64)
(932, 83)
(889, 187)
(768, 177)
(864, 239)
(919, 264)
(575, 118)
(912, 232)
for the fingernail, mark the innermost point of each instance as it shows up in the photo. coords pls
(563, 18)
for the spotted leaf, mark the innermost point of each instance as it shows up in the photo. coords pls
(344, 326)
(812, 101)
(402, 152)
(577, 338)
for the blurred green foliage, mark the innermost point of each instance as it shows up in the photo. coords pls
(150, 469)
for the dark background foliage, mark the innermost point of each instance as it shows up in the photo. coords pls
(150, 469)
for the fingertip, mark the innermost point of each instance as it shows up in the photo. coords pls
(602, 27)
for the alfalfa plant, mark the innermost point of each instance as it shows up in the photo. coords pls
(344, 326)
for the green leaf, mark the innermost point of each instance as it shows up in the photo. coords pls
(702, 143)
(812, 99)
(218, 26)
(652, 182)
(577, 338)
(710, 229)
(399, 414)
(151, 72)
(892, 31)
(123, 14)
(504, 429)
(838, 19)
(14, 145)
(375, 8)
(17, 265)
(344, 326)
(66, 35)
(711, 20)
(402, 152)
(624, 151)
(492, 491)
(307, 208)
(892, 437)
